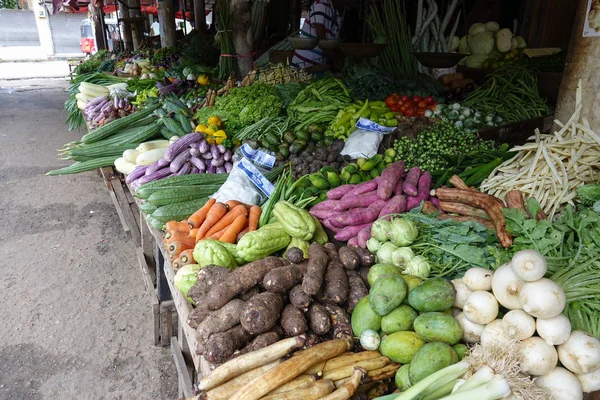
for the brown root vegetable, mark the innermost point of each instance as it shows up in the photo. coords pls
(318, 318)
(220, 347)
(261, 312)
(336, 282)
(363, 272)
(464, 218)
(357, 290)
(224, 392)
(428, 208)
(365, 257)
(376, 375)
(463, 209)
(291, 368)
(249, 294)
(250, 361)
(206, 278)
(315, 271)
(341, 324)
(514, 199)
(312, 339)
(294, 255)
(294, 384)
(343, 361)
(311, 391)
(346, 390)
(198, 315)
(347, 370)
(349, 258)
(220, 320)
(293, 321)
(261, 341)
(299, 298)
(240, 280)
(284, 278)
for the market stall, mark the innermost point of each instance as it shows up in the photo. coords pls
(399, 228)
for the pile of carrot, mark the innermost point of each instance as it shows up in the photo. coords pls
(226, 222)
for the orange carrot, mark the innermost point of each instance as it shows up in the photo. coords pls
(187, 257)
(175, 225)
(217, 235)
(197, 218)
(231, 204)
(236, 227)
(228, 219)
(216, 212)
(174, 249)
(193, 233)
(255, 212)
(242, 233)
(177, 236)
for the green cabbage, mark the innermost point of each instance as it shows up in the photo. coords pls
(403, 232)
(463, 45)
(418, 266)
(521, 43)
(482, 43)
(185, 279)
(454, 43)
(503, 40)
(384, 254)
(212, 252)
(476, 28)
(475, 60)
(492, 26)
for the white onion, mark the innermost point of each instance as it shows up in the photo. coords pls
(462, 292)
(590, 382)
(562, 384)
(471, 331)
(493, 333)
(481, 307)
(529, 265)
(518, 324)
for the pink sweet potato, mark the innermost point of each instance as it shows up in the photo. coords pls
(350, 231)
(378, 205)
(339, 192)
(389, 178)
(362, 188)
(353, 242)
(413, 201)
(396, 204)
(424, 185)
(436, 202)
(358, 216)
(363, 236)
(327, 224)
(324, 205)
(409, 186)
(363, 200)
(398, 188)
(324, 214)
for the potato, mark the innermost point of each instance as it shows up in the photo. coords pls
(318, 318)
(221, 346)
(299, 298)
(357, 290)
(349, 258)
(261, 312)
(220, 320)
(317, 265)
(293, 321)
(282, 279)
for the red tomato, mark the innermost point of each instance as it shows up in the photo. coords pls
(429, 100)
(417, 99)
(395, 108)
(422, 104)
(389, 101)
(402, 108)
(420, 113)
(409, 112)
(399, 102)
(404, 97)
(432, 107)
(409, 103)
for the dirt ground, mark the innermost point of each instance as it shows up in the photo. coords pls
(76, 321)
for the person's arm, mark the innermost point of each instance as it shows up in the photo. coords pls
(320, 29)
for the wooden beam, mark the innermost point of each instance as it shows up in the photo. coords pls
(166, 20)
(241, 12)
(99, 31)
(200, 15)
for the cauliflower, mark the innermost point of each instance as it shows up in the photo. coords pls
(503, 40)
(475, 60)
(521, 44)
(482, 43)
(492, 26)
(463, 45)
(476, 28)
(454, 43)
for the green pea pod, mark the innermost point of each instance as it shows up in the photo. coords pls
(483, 172)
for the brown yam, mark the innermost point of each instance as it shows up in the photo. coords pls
(347, 370)
(463, 209)
(318, 318)
(349, 258)
(198, 315)
(311, 391)
(336, 282)
(514, 199)
(249, 294)
(293, 321)
(315, 271)
(343, 360)
(282, 279)
(357, 290)
(220, 320)
(349, 387)
(312, 339)
(261, 312)
(220, 346)
(294, 255)
(225, 391)
(365, 257)
(341, 324)
(363, 272)
(208, 277)
(240, 280)
(261, 341)
(428, 208)
(299, 382)
(376, 375)
(299, 298)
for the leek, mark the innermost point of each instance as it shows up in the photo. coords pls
(497, 388)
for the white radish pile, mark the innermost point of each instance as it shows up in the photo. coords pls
(535, 305)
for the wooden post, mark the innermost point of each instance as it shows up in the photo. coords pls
(241, 13)
(123, 7)
(199, 15)
(99, 31)
(582, 60)
(135, 11)
(166, 19)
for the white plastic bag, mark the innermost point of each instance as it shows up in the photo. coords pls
(245, 184)
(365, 140)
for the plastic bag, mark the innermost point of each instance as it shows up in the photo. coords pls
(365, 141)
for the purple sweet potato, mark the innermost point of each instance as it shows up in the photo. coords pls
(396, 204)
(363, 236)
(363, 200)
(359, 216)
(351, 231)
(378, 205)
(353, 242)
(389, 178)
(339, 192)
(398, 187)
(325, 205)
(362, 188)
(412, 202)
(409, 186)
(327, 224)
(324, 214)
(424, 185)
(436, 202)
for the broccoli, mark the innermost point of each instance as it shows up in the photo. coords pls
(589, 194)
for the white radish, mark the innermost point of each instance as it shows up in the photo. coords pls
(518, 324)
(478, 279)
(536, 356)
(494, 333)
(481, 307)
(150, 156)
(561, 384)
(542, 298)
(152, 144)
(580, 354)
(529, 265)
(590, 382)
(471, 331)
(462, 292)
(124, 166)
(554, 331)
(506, 287)
(130, 155)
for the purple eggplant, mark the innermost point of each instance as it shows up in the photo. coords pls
(222, 149)
(99, 106)
(221, 170)
(228, 166)
(179, 160)
(217, 162)
(203, 146)
(155, 166)
(214, 151)
(161, 173)
(194, 170)
(137, 172)
(181, 144)
(227, 155)
(207, 155)
(162, 162)
(198, 163)
(194, 152)
(187, 167)
(96, 100)
(211, 169)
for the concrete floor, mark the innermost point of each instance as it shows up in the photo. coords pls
(75, 318)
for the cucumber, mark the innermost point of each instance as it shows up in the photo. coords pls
(181, 194)
(179, 211)
(148, 208)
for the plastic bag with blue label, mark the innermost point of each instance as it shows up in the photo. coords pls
(365, 140)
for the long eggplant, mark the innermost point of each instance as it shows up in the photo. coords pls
(181, 144)
(179, 160)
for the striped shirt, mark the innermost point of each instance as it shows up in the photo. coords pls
(321, 12)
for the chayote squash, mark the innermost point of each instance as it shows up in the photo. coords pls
(262, 242)
(320, 235)
(207, 252)
(232, 248)
(297, 222)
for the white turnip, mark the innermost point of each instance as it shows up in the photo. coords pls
(518, 324)
(478, 279)
(481, 307)
(542, 298)
(590, 382)
(561, 384)
(462, 292)
(494, 333)
(554, 331)
(529, 265)
(506, 287)
(537, 357)
(580, 354)
(471, 331)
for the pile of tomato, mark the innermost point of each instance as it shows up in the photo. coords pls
(410, 106)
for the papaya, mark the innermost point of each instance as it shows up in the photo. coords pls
(401, 318)
(364, 318)
(387, 293)
(430, 358)
(438, 327)
(435, 294)
(381, 269)
(400, 347)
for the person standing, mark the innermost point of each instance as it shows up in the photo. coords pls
(323, 22)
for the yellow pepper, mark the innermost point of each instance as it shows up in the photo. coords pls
(214, 120)
(201, 128)
(217, 137)
(202, 80)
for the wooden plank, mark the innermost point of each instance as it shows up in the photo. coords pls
(127, 213)
(166, 322)
(148, 274)
(185, 381)
(118, 208)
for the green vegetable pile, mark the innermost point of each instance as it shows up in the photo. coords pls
(345, 120)
(93, 63)
(510, 92)
(467, 118)
(434, 145)
(249, 104)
